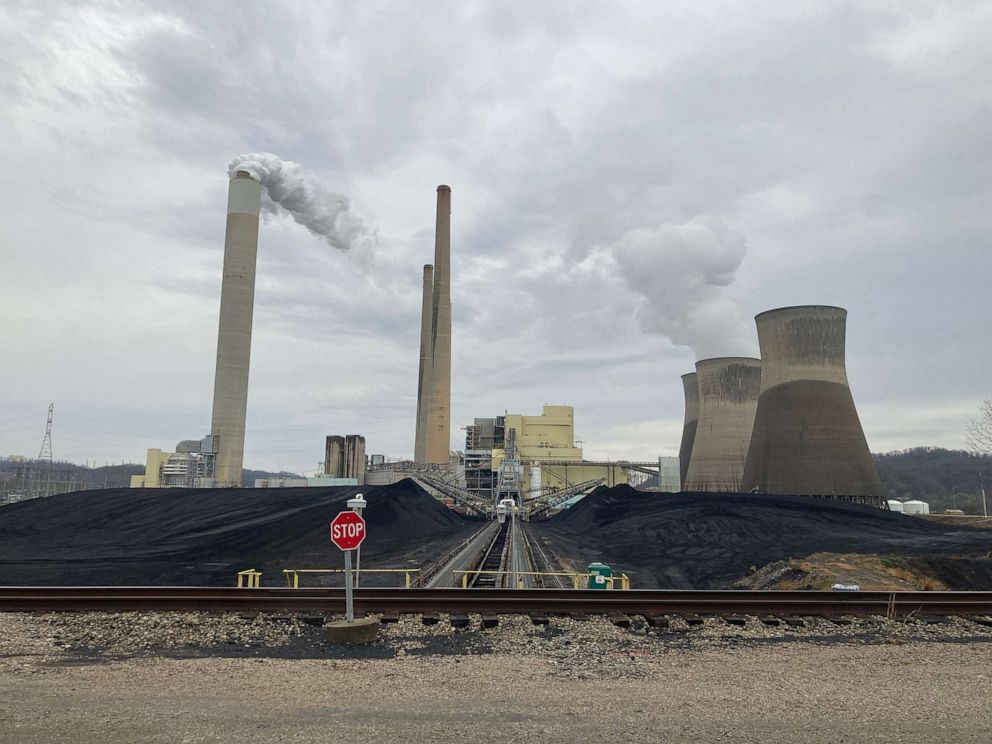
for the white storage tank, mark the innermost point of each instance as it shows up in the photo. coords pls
(895, 506)
(915, 507)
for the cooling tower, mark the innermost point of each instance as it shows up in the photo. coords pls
(435, 400)
(423, 375)
(689, 424)
(237, 298)
(807, 436)
(728, 397)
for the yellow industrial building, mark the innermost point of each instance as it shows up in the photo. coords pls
(545, 445)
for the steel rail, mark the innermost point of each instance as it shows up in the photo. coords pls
(495, 601)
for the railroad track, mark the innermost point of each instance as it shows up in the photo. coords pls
(645, 602)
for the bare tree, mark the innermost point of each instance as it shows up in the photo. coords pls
(979, 430)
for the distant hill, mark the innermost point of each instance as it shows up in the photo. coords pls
(944, 478)
(24, 476)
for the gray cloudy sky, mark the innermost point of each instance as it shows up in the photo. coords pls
(632, 182)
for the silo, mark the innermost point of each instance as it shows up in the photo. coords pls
(691, 390)
(728, 397)
(807, 437)
(237, 300)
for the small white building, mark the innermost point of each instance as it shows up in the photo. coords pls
(895, 506)
(915, 507)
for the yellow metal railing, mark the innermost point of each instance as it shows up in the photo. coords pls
(579, 580)
(293, 574)
(249, 579)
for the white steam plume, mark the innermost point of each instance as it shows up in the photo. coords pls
(681, 272)
(311, 204)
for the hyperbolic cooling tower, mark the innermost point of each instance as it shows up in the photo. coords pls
(433, 440)
(728, 397)
(691, 389)
(237, 299)
(807, 436)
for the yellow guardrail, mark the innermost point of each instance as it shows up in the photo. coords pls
(293, 574)
(249, 579)
(579, 580)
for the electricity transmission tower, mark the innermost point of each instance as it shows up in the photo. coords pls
(45, 455)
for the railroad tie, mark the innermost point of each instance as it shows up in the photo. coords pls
(621, 621)
(691, 619)
(656, 621)
(490, 621)
(735, 620)
(459, 621)
(430, 619)
(538, 619)
(771, 621)
(390, 617)
(794, 622)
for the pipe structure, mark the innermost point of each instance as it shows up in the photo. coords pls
(437, 401)
(237, 299)
(424, 372)
(728, 397)
(691, 389)
(807, 436)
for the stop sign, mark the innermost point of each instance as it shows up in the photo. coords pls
(347, 530)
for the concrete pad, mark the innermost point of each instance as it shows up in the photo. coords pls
(363, 630)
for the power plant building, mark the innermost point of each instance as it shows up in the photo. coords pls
(433, 436)
(807, 436)
(344, 457)
(728, 398)
(237, 302)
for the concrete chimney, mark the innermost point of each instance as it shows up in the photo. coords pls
(807, 436)
(728, 397)
(237, 299)
(437, 400)
(691, 389)
(424, 373)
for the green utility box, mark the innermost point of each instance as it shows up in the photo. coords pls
(599, 575)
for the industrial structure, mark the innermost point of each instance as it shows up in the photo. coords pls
(529, 457)
(433, 429)
(237, 301)
(190, 466)
(691, 390)
(728, 397)
(807, 436)
(344, 457)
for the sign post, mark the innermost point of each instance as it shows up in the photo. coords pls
(347, 533)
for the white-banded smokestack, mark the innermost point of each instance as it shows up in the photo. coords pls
(237, 300)
(424, 374)
(807, 436)
(728, 397)
(691, 389)
(438, 411)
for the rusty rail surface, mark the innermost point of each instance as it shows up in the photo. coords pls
(646, 602)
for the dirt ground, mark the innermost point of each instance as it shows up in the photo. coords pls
(915, 693)
(127, 678)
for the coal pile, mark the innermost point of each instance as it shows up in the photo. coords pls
(147, 537)
(708, 541)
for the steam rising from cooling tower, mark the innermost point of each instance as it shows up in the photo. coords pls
(728, 398)
(433, 438)
(807, 437)
(324, 213)
(691, 390)
(681, 272)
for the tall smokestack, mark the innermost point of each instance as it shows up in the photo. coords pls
(438, 415)
(237, 299)
(807, 436)
(728, 397)
(424, 373)
(691, 389)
